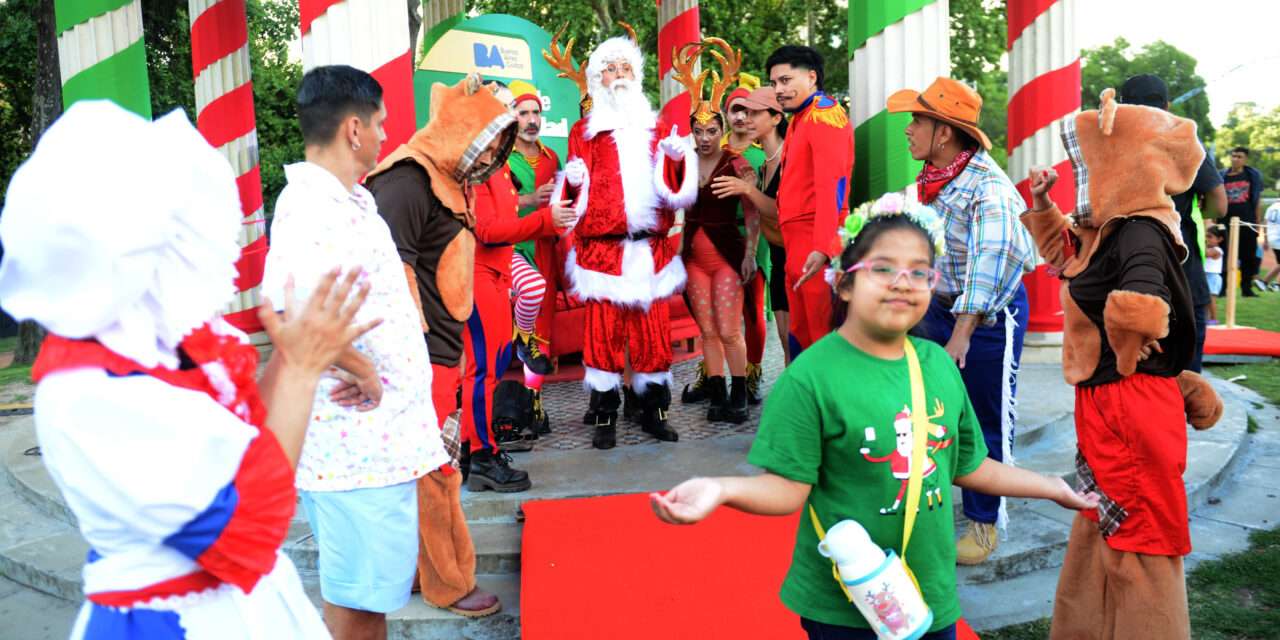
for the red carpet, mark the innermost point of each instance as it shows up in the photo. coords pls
(594, 568)
(606, 567)
(1242, 342)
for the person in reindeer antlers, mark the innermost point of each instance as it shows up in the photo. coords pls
(1129, 335)
(626, 176)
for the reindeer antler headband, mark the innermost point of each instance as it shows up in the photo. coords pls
(686, 59)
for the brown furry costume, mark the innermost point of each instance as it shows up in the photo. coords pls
(433, 230)
(1122, 577)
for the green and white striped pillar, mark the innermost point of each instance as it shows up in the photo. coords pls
(101, 53)
(896, 44)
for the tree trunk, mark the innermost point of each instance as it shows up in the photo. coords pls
(415, 23)
(47, 98)
(604, 16)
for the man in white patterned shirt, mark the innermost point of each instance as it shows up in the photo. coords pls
(979, 311)
(373, 430)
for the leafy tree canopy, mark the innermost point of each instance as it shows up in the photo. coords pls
(1259, 130)
(1111, 64)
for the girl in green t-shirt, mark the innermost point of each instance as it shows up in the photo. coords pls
(836, 435)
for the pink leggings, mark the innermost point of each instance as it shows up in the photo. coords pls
(715, 292)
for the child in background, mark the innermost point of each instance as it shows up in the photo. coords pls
(1213, 237)
(1272, 241)
(847, 454)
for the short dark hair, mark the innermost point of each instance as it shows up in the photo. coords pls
(1217, 231)
(329, 94)
(861, 246)
(1244, 150)
(799, 57)
(719, 121)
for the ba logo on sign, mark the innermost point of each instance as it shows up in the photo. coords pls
(488, 56)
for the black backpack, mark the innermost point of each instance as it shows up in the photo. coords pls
(512, 411)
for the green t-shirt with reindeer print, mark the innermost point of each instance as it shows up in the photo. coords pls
(840, 420)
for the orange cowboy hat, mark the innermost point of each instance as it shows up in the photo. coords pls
(948, 100)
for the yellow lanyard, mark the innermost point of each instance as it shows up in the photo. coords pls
(919, 442)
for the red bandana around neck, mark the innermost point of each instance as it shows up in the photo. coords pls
(932, 180)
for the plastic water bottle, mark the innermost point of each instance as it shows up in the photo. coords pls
(878, 582)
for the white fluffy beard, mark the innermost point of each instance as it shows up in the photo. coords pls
(620, 105)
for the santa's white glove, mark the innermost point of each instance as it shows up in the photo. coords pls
(575, 172)
(674, 146)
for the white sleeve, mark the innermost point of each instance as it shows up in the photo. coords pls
(135, 457)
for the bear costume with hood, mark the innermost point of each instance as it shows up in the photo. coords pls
(1129, 334)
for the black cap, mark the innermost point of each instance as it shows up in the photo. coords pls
(1145, 89)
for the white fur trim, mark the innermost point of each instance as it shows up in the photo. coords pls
(688, 193)
(639, 381)
(637, 285)
(1008, 411)
(598, 380)
(635, 160)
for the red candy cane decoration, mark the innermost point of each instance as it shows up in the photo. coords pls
(1044, 88)
(371, 35)
(224, 115)
(678, 25)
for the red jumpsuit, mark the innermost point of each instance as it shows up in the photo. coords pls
(813, 199)
(544, 251)
(486, 339)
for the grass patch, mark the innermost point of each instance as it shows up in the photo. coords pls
(8, 344)
(1234, 598)
(1262, 312)
(1034, 630)
(15, 374)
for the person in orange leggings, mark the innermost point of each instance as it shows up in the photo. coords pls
(718, 261)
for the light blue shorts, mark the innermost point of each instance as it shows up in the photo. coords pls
(368, 541)
(1215, 283)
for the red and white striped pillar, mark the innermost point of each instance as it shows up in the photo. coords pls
(1044, 89)
(678, 25)
(224, 115)
(371, 35)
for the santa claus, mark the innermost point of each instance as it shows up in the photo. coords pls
(626, 176)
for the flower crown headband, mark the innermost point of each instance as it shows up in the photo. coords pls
(890, 204)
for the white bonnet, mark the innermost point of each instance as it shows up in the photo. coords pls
(121, 229)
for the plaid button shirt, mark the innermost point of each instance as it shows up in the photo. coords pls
(988, 249)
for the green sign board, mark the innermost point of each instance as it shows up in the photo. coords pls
(499, 47)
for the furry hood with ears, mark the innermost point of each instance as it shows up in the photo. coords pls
(1128, 161)
(465, 118)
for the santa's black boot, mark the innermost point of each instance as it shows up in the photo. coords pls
(606, 403)
(630, 403)
(590, 418)
(653, 419)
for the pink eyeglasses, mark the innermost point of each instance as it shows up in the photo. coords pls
(920, 278)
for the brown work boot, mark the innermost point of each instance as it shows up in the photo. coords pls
(977, 544)
(477, 604)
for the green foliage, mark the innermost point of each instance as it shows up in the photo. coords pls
(1111, 64)
(17, 82)
(755, 26)
(1238, 596)
(167, 33)
(979, 31)
(1258, 130)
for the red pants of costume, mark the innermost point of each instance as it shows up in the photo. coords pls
(810, 304)
(757, 329)
(714, 290)
(486, 340)
(614, 331)
(1133, 434)
(446, 554)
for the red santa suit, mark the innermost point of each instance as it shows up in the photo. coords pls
(626, 186)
